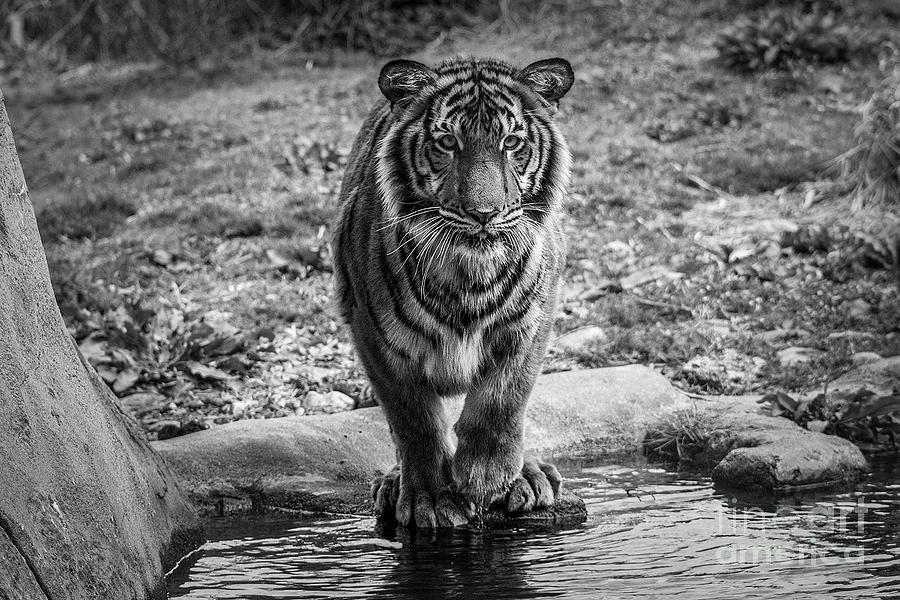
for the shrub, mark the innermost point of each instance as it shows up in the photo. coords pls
(194, 31)
(784, 40)
(871, 168)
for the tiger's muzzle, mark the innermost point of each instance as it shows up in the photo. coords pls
(487, 186)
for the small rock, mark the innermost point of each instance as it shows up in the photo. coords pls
(161, 257)
(166, 429)
(580, 338)
(193, 426)
(331, 402)
(864, 358)
(797, 355)
(242, 408)
(859, 309)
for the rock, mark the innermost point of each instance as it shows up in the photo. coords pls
(798, 355)
(166, 429)
(879, 376)
(568, 510)
(325, 462)
(859, 309)
(89, 511)
(581, 338)
(755, 452)
(863, 358)
(328, 403)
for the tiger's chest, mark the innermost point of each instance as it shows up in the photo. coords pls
(454, 363)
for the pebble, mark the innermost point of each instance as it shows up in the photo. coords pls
(859, 309)
(797, 355)
(166, 429)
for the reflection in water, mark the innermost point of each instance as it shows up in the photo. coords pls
(650, 533)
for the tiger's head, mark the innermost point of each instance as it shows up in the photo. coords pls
(472, 150)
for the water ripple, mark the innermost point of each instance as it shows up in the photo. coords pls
(651, 533)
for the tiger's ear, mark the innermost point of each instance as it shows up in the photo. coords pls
(551, 78)
(402, 79)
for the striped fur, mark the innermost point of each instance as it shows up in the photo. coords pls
(438, 303)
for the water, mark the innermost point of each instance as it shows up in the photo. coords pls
(650, 533)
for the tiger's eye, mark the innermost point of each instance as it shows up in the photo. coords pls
(511, 143)
(446, 141)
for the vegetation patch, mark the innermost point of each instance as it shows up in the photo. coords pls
(682, 437)
(785, 40)
(872, 166)
(870, 420)
(90, 215)
(763, 167)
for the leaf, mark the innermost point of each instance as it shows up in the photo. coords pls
(206, 372)
(94, 348)
(781, 401)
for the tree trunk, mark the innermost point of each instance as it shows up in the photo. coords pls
(87, 508)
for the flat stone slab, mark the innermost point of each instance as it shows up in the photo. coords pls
(324, 463)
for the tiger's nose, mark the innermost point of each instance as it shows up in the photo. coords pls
(483, 215)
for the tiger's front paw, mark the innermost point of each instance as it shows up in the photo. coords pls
(421, 508)
(432, 510)
(484, 477)
(538, 486)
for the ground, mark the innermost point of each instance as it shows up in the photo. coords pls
(186, 216)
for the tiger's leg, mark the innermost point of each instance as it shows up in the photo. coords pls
(489, 464)
(418, 489)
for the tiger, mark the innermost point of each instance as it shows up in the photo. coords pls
(448, 256)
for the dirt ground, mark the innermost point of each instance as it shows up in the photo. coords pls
(186, 216)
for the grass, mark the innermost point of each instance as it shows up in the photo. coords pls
(683, 437)
(88, 215)
(222, 172)
(761, 168)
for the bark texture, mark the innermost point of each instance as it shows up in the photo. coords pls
(87, 508)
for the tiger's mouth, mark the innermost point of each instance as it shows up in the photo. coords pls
(471, 228)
